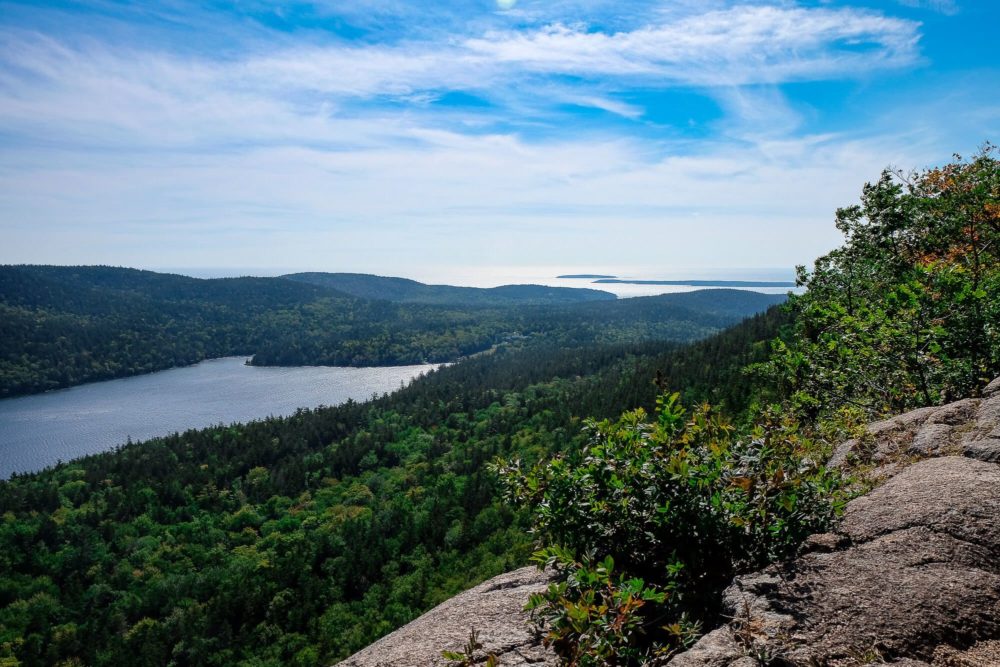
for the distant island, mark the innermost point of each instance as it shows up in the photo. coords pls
(584, 276)
(698, 283)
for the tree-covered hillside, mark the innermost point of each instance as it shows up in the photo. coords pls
(296, 541)
(649, 521)
(403, 290)
(61, 326)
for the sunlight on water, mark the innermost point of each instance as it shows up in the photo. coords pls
(493, 276)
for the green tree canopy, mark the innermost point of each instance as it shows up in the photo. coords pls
(907, 311)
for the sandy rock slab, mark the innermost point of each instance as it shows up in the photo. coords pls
(911, 578)
(494, 609)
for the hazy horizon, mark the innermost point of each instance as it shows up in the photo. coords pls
(495, 276)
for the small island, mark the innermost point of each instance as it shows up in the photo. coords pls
(699, 283)
(585, 276)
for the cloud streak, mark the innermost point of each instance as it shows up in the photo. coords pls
(97, 86)
(739, 46)
(316, 149)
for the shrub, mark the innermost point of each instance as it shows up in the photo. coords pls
(652, 519)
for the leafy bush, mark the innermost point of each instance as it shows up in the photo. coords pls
(652, 519)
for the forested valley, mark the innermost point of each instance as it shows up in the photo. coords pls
(300, 540)
(645, 473)
(63, 326)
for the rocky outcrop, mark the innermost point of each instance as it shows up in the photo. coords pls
(912, 572)
(494, 609)
(969, 427)
(910, 577)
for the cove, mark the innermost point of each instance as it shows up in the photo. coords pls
(38, 431)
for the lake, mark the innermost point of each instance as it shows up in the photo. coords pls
(37, 431)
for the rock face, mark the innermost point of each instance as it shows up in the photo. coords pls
(493, 608)
(970, 427)
(911, 576)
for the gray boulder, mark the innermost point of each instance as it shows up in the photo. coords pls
(494, 609)
(912, 575)
(970, 427)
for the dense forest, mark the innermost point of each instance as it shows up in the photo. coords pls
(404, 290)
(62, 326)
(650, 520)
(299, 540)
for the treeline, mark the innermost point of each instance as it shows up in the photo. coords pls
(62, 326)
(905, 312)
(300, 540)
(403, 290)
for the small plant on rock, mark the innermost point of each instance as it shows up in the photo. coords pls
(466, 657)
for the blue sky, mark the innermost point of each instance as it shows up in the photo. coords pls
(412, 138)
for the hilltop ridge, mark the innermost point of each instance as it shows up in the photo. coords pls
(65, 325)
(404, 290)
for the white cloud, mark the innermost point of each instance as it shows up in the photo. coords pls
(739, 46)
(613, 106)
(453, 198)
(743, 45)
(126, 95)
(948, 7)
(121, 149)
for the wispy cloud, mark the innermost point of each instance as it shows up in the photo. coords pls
(94, 88)
(949, 7)
(338, 133)
(487, 193)
(743, 45)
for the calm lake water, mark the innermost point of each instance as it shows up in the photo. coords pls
(37, 431)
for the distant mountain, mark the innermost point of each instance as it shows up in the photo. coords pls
(649, 317)
(720, 302)
(403, 290)
(64, 325)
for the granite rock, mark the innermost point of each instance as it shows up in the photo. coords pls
(494, 609)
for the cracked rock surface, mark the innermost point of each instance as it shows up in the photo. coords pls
(970, 427)
(911, 576)
(494, 609)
